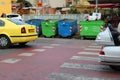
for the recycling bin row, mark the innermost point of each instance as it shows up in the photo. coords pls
(53, 27)
(67, 27)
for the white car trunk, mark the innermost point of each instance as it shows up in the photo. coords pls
(113, 51)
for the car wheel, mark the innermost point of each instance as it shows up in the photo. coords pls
(4, 42)
(115, 67)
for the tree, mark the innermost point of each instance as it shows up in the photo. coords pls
(20, 0)
(25, 3)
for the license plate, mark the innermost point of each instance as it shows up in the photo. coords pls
(31, 30)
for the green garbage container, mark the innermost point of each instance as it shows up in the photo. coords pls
(49, 27)
(90, 29)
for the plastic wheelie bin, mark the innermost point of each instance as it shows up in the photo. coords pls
(49, 27)
(90, 29)
(67, 27)
(37, 23)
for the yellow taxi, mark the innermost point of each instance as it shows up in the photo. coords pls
(14, 31)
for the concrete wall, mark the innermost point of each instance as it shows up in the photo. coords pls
(5, 6)
(57, 3)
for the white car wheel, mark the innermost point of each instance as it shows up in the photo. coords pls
(115, 67)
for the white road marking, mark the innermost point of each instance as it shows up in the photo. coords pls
(88, 53)
(47, 46)
(95, 44)
(39, 50)
(95, 47)
(26, 54)
(68, 76)
(86, 66)
(11, 60)
(55, 44)
(84, 58)
(91, 49)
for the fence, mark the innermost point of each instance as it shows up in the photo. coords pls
(77, 17)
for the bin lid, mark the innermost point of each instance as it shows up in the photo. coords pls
(68, 20)
(93, 22)
(52, 20)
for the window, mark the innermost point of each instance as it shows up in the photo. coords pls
(17, 21)
(2, 23)
(12, 16)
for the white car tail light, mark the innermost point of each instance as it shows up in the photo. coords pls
(101, 53)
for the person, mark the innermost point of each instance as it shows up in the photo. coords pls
(118, 28)
(115, 34)
(3, 15)
(108, 20)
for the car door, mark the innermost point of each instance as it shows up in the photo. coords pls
(2, 23)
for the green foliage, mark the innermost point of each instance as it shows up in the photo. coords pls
(26, 3)
(119, 11)
(73, 11)
(20, 0)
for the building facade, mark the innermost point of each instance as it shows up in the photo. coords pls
(5, 6)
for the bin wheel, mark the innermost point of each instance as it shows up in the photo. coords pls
(44, 36)
(52, 36)
(82, 38)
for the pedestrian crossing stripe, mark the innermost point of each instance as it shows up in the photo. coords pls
(26, 54)
(91, 49)
(84, 58)
(39, 50)
(68, 76)
(47, 46)
(86, 66)
(95, 44)
(55, 44)
(99, 47)
(88, 53)
(11, 60)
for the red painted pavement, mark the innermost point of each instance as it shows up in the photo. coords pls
(42, 64)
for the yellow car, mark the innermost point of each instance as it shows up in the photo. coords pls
(15, 31)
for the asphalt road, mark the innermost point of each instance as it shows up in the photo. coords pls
(55, 59)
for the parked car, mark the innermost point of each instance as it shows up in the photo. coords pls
(15, 31)
(14, 16)
(110, 52)
(110, 55)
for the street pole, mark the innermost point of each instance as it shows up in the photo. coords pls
(96, 6)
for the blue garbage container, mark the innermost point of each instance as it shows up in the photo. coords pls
(67, 27)
(37, 23)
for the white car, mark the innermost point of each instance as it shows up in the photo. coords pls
(110, 55)
(14, 16)
(110, 52)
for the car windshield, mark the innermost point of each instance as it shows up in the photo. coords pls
(17, 21)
